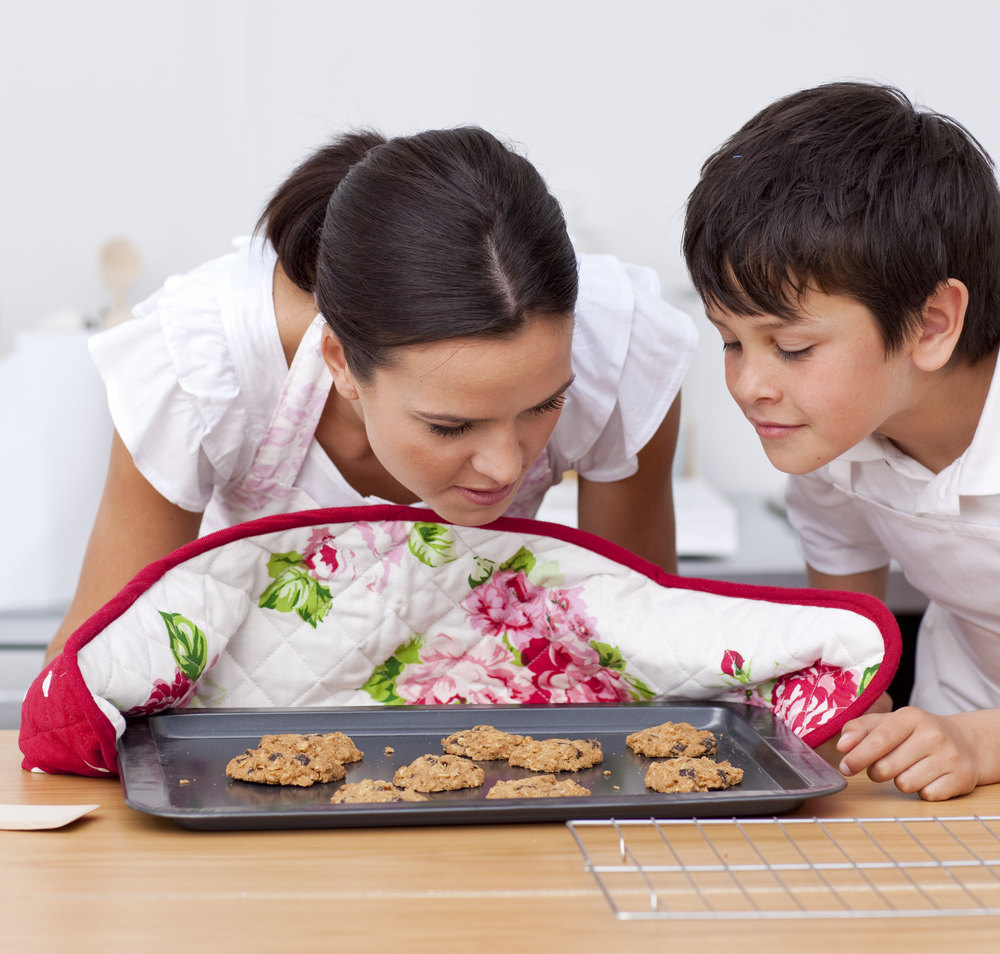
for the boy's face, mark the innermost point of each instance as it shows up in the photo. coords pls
(815, 386)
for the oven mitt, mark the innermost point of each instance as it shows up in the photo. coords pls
(389, 605)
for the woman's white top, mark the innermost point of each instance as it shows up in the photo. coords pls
(194, 382)
(875, 503)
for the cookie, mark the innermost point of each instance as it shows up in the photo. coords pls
(537, 786)
(482, 743)
(672, 739)
(284, 768)
(439, 773)
(332, 745)
(374, 790)
(686, 774)
(557, 755)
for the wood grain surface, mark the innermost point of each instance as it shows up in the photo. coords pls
(118, 880)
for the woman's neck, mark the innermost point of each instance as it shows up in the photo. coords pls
(294, 310)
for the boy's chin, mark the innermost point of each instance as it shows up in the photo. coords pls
(796, 465)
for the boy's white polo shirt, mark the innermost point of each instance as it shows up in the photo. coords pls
(875, 503)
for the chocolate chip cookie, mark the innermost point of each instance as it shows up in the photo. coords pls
(284, 768)
(673, 739)
(439, 773)
(686, 774)
(331, 745)
(482, 743)
(537, 786)
(374, 790)
(557, 755)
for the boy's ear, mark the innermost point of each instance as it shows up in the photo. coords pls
(942, 321)
(336, 361)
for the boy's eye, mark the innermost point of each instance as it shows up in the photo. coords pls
(444, 431)
(728, 346)
(793, 355)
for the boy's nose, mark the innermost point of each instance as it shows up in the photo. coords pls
(751, 382)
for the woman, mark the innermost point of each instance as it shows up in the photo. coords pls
(412, 328)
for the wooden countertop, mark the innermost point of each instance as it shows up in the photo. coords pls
(119, 880)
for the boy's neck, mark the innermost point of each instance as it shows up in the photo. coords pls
(938, 428)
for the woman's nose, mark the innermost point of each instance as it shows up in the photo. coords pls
(499, 458)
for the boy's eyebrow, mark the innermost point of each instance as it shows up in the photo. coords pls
(451, 419)
(769, 326)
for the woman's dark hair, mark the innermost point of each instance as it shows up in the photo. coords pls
(849, 188)
(445, 234)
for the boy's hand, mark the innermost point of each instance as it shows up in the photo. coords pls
(938, 756)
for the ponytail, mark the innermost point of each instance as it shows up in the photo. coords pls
(293, 218)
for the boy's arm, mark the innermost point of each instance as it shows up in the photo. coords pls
(938, 756)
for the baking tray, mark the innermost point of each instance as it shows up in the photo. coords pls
(156, 752)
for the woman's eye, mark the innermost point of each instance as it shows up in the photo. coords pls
(554, 405)
(444, 431)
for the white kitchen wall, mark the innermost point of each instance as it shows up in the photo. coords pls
(170, 122)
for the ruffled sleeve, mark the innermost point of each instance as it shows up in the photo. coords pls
(173, 389)
(631, 351)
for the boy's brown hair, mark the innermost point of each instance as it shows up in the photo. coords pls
(849, 188)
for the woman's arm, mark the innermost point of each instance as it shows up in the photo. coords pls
(638, 512)
(135, 525)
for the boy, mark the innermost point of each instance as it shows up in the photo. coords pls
(847, 248)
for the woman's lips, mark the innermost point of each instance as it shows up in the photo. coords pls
(485, 498)
(771, 430)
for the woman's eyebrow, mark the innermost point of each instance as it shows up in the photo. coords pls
(451, 419)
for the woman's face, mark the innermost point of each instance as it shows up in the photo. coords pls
(459, 422)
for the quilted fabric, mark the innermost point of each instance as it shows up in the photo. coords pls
(388, 605)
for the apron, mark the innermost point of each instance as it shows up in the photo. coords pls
(268, 487)
(957, 566)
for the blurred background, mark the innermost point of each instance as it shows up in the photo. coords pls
(169, 124)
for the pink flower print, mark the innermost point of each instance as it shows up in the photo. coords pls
(571, 672)
(484, 674)
(320, 557)
(390, 546)
(566, 611)
(807, 699)
(731, 661)
(508, 603)
(733, 664)
(166, 696)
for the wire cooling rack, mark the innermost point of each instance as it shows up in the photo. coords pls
(794, 868)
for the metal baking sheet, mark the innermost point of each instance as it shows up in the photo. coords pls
(157, 752)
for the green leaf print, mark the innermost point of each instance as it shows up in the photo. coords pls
(432, 544)
(516, 653)
(187, 644)
(381, 684)
(483, 571)
(610, 656)
(524, 560)
(866, 677)
(295, 590)
(638, 689)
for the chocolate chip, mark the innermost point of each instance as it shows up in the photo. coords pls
(678, 748)
(303, 759)
(273, 756)
(687, 773)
